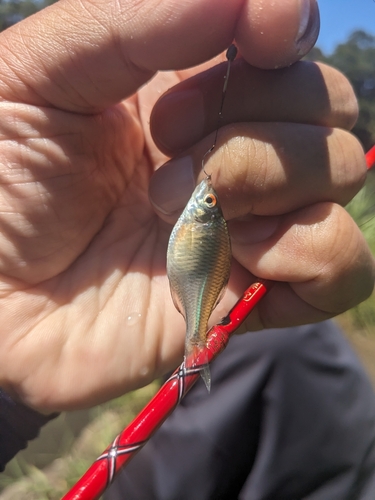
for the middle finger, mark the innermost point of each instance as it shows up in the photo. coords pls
(265, 169)
(306, 92)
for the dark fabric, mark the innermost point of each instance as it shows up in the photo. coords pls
(291, 416)
(18, 425)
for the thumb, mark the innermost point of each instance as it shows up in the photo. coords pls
(85, 56)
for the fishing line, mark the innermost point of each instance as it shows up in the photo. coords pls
(230, 55)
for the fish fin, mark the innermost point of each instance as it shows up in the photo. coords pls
(191, 355)
(206, 376)
(177, 302)
(222, 292)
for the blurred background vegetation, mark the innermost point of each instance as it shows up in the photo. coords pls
(13, 11)
(356, 59)
(68, 445)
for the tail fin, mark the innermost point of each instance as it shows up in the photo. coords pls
(194, 357)
(206, 376)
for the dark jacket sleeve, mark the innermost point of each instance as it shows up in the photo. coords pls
(18, 425)
(291, 415)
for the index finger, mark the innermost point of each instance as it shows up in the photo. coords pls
(85, 56)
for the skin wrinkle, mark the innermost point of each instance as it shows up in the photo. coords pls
(290, 240)
(128, 122)
(332, 268)
(56, 80)
(263, 150)
(326, 237)
(347, 108)
(80, 96)
(90, 12)
(83, 70)
(340, 253)
(274, 315)
(40, 314)
(255, 178)
(14, 117)
(258, 178)
(62, 339)
(104, 303)
(27, 149)
(133, 69)
(352, 186)
(315, 246)
(59, 246)
(35, 259)
(149, 65)
(73, 179)
(236, 151)
(13, 85)
(128, 66)
(70, 101)
(342, 178)
(30, 47)
(345, 158)
(118, 9)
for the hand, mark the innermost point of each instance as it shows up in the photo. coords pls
(86, 309)
(284, 165)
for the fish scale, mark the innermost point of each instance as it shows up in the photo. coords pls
(198, 265)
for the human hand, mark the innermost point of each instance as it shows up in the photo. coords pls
(284, 167)
(86, 308)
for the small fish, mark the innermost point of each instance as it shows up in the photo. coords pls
(198, 265)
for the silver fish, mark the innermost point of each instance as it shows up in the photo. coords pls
(198, 265)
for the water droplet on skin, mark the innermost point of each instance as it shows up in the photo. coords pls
(144, 371)
(133, 318)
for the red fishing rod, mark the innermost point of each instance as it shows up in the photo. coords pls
(370, 158)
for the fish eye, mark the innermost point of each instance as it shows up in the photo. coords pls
(210, 200)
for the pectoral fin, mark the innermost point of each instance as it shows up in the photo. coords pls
(177, 303)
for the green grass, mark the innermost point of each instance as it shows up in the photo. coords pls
(65, 467)
(362, 209)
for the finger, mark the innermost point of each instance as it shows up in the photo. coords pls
(265, 169)
(84, 56)
(320, 252)
(304, 93)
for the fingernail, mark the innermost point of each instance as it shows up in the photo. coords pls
(185, 119)
(172, 184)
(304, 11)
(308, 27)
(254, 229)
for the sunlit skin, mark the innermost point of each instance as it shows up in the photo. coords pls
(85, 305)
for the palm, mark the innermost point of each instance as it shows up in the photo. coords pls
(88, 299)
